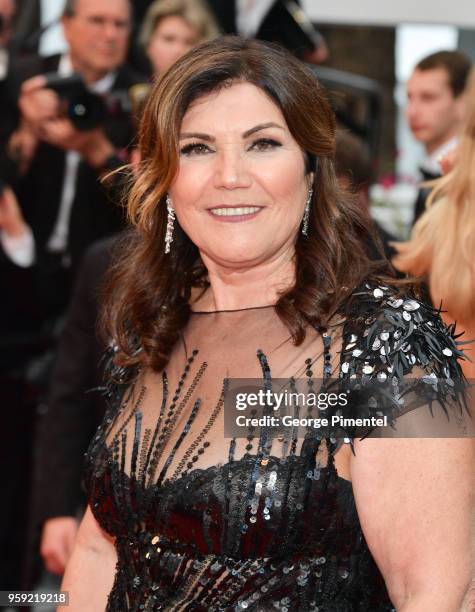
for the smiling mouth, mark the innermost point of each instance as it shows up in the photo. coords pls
(238, 211)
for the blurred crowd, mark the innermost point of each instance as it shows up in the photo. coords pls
(67, 123)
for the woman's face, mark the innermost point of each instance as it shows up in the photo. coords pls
(172, 38)
(241, 187)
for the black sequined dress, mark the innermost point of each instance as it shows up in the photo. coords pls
(203, 522)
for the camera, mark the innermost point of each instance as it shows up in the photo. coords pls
(84, 108)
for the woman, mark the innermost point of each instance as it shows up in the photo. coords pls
(245, 263)
(442, 244)
(173, 27)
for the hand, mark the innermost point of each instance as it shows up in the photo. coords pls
(22, 146)
(57, 542)
(11, 218)
(92, 145)
(37, 103)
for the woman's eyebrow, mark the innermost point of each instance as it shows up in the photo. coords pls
(246, 134)
(199, 135)
(262, 126)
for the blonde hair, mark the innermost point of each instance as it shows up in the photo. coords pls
(194, 12)
(442, 243)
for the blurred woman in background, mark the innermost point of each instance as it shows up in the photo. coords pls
(442, 243)
(173, 27)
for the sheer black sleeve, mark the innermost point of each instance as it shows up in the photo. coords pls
(401, 363)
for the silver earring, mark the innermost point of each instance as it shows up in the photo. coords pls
(306, 214)
(170, 220)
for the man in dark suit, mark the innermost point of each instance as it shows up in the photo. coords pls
(279, 21)
(435, 110)
(18, 323)
(55, 171)
(74, 412)
(58, 167)
(27, 26)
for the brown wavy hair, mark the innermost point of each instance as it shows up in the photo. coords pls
(147, 300)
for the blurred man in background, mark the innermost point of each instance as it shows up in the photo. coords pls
(16, 445)
(435, 109)
(278, 21)
(55, 208)
(56, 166)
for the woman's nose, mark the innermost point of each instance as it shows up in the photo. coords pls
(231, 170)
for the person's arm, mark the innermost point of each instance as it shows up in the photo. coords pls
(57, 542)
(20, 149)
(415, 500)
(65, 430)
(90, 572)
(16, 237)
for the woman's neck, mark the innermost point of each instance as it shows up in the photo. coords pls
(234, 288)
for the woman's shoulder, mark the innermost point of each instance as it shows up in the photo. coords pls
(397, 355)
(390, 327)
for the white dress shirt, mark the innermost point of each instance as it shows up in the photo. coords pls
(431, 163)
(4, 61)
(250, 15)
(52, 39)
(21, 249)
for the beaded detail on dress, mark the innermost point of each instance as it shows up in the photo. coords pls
(205, 523)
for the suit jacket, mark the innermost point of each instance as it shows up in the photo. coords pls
(277, 26)
(8, 107)
(19, 316)
(423, 194)
(74, 408)
(28, 26)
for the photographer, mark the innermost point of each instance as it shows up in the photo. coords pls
(56, 165)
(17, 320)
(57, 206)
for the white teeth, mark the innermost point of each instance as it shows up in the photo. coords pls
(243, 210)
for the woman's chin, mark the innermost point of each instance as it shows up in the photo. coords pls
(242, 255)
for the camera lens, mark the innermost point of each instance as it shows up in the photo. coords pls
(86, 111)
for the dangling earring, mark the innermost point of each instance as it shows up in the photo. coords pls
(306, 214)
(170, 220)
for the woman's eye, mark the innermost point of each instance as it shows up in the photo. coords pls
(265, 144)
(194, 148)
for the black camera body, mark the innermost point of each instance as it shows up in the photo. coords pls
(86, 109)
